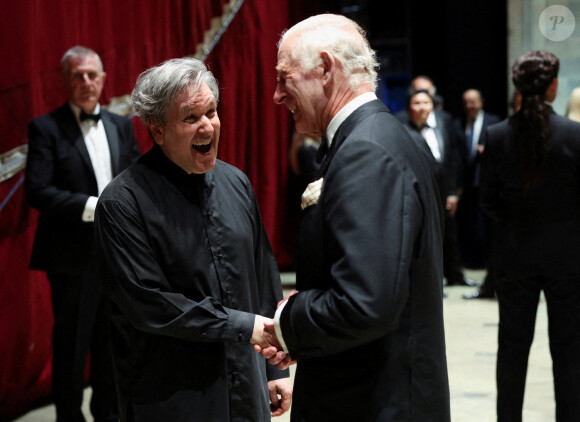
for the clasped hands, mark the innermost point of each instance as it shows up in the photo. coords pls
(266, 342)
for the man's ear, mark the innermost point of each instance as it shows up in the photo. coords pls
(328, 65)
(156, 131)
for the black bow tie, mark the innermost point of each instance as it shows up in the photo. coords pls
(85, 116)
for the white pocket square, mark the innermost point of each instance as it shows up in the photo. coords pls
(312, 193)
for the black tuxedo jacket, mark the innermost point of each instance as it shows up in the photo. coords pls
(469, 168)
(537, 229)
(59, 180)
(367, 324)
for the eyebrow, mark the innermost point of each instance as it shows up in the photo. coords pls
(281, 67)
(189, 109)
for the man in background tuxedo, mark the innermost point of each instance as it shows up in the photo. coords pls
(474, 228)
(425, 83)
(366, 324)
(438, 124)
(437, 133)
(74, 152)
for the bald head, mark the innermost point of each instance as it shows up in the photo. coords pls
(472, 103)
(423, 83)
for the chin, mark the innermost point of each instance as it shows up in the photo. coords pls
(205, 167)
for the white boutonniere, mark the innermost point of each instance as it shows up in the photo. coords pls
(312, 193)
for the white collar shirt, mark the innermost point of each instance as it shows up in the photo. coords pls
(475, 128)
(346, 111)
(428, 132)
(97, 145)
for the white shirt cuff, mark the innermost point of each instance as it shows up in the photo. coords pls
(277, 327)
(90, 207)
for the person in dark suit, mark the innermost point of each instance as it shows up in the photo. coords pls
(530, 186)
(73, 152)
(366, 323)
(437, 132)
(425, 83)
(474, 228)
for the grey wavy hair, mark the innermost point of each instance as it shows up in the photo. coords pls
(157, 88)
(342, 37)
(77, 52)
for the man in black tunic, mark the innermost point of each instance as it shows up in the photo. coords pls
(191, 273)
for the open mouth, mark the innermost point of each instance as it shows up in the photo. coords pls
(202, 148)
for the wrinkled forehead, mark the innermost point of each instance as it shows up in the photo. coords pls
(83, 63)
(285, 61)
(194, 96)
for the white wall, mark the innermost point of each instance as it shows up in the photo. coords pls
(524, 35)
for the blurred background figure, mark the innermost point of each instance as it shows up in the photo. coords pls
(530, 186)
(573, 108)
(437, 132)
(424, 83)
(302, 159)
(303, 163)
(473, 226)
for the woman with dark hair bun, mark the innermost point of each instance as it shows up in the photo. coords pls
(535, 76)
(530, 186)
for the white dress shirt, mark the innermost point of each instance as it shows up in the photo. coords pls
(475, 133)
(98, 147)
(428, 132)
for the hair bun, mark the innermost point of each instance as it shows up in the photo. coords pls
(533, 72)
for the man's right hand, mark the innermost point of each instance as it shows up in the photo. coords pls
(265, 342)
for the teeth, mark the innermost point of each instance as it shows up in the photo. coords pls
(199, 144)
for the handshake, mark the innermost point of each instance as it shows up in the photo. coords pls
(266, 341)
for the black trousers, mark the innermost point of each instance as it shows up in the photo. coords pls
(81, 324)
(452, 270)
(518, 303)
(473, 230)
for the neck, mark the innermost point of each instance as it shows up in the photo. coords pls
(87, 108)
(341, 98)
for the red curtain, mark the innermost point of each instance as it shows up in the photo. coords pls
(130, 36)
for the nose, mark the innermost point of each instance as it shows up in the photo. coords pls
(206, 126)
(279, 95)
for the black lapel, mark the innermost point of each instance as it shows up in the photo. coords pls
(113, 139)
(440, 139)
(71, 131)
(484, 124)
